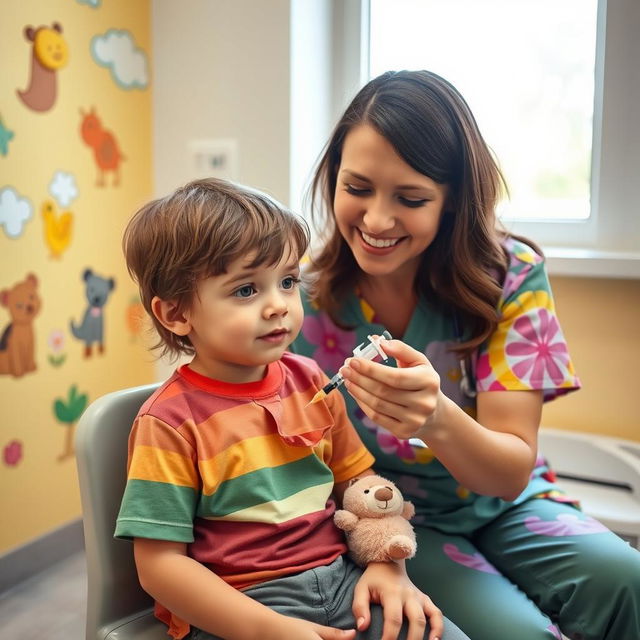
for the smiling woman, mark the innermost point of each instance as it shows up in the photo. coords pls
(386, 210)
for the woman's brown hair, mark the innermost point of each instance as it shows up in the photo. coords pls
(433, 130)
(172, 243)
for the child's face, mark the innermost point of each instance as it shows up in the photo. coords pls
(244, 319)
(387, 212)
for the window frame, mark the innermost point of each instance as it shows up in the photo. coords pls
(607, 244)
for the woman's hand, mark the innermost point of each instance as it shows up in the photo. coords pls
(387, 584)
(399, 399)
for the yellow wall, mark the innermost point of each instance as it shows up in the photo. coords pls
(38, 490)
(601, 321)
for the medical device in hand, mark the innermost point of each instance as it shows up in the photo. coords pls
(369, 350)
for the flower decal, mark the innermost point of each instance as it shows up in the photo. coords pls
(334, 345)
(56, 342)
(12, 453)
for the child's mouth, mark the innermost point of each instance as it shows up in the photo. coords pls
(276, 336)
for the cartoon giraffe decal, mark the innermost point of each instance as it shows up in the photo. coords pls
(48, 54)
(105, 147)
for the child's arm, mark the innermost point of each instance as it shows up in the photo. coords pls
(196, 594)
(387, 584)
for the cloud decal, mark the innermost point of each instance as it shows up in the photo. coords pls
(117, 50)
(15, 211)
(63, 188)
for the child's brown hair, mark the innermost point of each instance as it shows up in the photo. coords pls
(172, 243)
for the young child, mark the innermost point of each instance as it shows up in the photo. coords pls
(231, 480)
(407, 189)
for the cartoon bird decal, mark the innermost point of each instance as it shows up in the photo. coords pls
(48, 54)
(105, 147)
(57, 228)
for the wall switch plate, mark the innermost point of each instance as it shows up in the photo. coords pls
(215, 158)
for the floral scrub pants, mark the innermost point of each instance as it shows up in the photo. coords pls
(546, 549)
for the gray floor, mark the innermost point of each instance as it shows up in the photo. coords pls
(51, 605)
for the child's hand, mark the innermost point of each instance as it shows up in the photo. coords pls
(387, 584)
(287, 627)
(399, 399)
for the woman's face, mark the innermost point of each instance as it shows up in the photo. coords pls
(387, 212)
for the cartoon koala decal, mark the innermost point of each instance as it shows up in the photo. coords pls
(91, 330)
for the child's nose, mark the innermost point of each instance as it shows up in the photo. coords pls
(276, 305)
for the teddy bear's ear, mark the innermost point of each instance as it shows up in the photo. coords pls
(353, 481)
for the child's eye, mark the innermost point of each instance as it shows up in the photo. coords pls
(354, 191)
(411, 203)
(245, 292)
(290, 282)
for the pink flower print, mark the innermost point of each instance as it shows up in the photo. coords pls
(334, 345)
(485, 377)
(387, 442)
(513, 281)
(536, 350)
(565, 524)
(410, 486)
(473, 561)
(13, 453)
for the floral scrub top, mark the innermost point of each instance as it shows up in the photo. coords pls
(527, 351)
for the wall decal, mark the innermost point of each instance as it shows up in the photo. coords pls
(68, 413)
(135, 317)
(17, 342)
(56, 342)
(57, 228)
(14, 211)
(117, 50)
(48, 54)
(63, 188)
(12, 453)
(6, 135)
(105, 147)
(97, 290)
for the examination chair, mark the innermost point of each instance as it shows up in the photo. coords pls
(600, 471)
(117, 607)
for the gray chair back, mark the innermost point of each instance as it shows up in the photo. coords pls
(117, 607)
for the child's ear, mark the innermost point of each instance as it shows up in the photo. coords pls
(170, 316)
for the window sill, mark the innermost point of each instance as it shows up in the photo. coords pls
(592, 263)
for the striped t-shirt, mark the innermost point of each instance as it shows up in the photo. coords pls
(242, 472)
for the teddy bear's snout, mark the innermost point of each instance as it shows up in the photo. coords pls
(384, 494)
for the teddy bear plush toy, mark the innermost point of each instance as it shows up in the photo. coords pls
(375, 518)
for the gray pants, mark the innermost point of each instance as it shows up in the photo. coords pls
(324, 595)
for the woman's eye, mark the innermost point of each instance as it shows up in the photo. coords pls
(354, 191)
(413, 204)
(290, 282)
(244, 292)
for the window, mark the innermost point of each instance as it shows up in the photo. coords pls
(581, 82)
(526, 68)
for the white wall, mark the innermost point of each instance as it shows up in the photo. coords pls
(221, 70)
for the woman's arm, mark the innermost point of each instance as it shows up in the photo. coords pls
(492, 455)
(196, 594)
